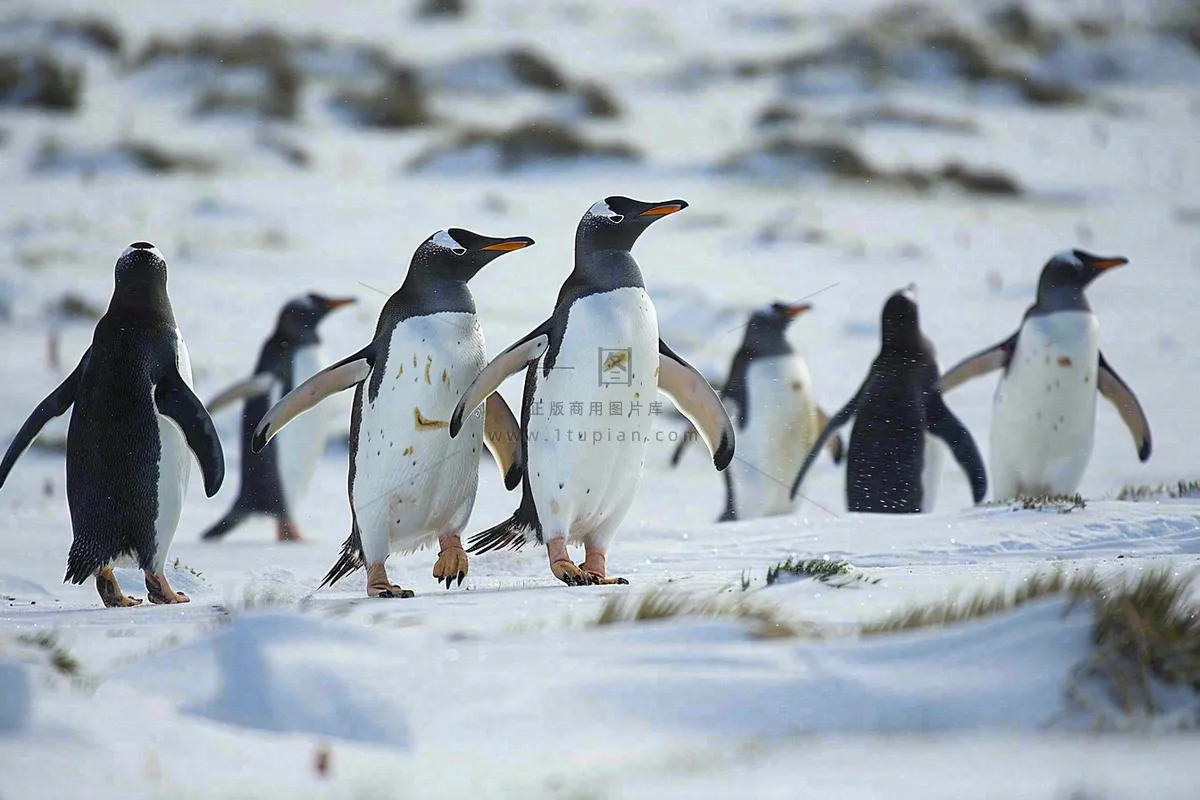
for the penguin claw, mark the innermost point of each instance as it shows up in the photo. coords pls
(451, 564)
(461, 576)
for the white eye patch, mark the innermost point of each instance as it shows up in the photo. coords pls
(444, 239)
(601, 209)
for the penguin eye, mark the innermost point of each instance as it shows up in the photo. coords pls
(459, 251)
(616, 219)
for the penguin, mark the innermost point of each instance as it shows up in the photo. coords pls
(275, 480)
(135, 420)
(769, 395)
(599, 353)
(1044, 409)
(409, 484)
(895, 411)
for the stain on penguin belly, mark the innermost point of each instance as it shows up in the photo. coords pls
(587, 464)
(1045, 408)
(411, 479)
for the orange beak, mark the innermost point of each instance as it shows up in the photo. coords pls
(1109, 263)
(338, 302)
(796, 310)
(660, 211)
(509, 246)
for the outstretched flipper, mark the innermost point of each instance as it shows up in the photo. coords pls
(838, 420)
(176, 400)
(502, 434)
(350, 371)
(54, 405)
(1117, 392)
(837, 450)
(735, 414)
(511, 361)
(985, 361)
(941, 422)
(692, 395)
(254, 386)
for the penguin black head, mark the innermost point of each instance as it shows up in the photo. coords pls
(616, 222)
(458, 254)
(141, 279)
(901, 328)
(300, 317)
(1074, 270)
(768, 326)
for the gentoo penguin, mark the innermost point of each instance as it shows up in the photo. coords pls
(895, 410)
(275, 480)
(598, 354)
(769, 396)
(410, 484)
(1044, 412)
(128, 442)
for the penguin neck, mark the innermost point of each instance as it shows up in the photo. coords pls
(424, 293)
(604, 270)
(1053, 296)
(143, 300)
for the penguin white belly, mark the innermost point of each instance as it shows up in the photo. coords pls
(782, 429)
(591, 417)
(300, 445)
(1044, 413)
(412, 482)
(931, 472)
(174, 467)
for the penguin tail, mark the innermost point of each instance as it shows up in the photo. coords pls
(230, 521)
(80, 565)
(349, 561)
(513, 533)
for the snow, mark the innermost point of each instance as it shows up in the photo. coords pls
(504, 687)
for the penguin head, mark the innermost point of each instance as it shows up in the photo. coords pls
(1075, 269)
(302, 314)
(141, 280)
(768, 326)
(459, 254)
(616, 222)
(900, 323)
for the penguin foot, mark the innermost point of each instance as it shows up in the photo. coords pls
(287, 532)
(593, 567)
(379, 585)
(451, 561)
(110, 591)
(160, 592)
(565, 570)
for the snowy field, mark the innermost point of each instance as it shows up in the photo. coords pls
(505, 687)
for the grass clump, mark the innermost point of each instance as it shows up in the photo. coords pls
(1062, 503)
(662, 605)
(1178, 491)
(59, 657)
(838, 574)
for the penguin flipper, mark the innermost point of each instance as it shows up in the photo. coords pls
(995, 357)
(350, 371)
(502, 434)
(176, 400)
(510, 362)
(836, 421)
(54, 405)
(941, 422)
(692, 395)
(837, 450)
(1117, 392)
(254, 386)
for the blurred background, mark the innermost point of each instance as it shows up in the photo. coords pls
(836, 149)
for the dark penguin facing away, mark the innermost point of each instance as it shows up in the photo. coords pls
(896, 406)
(769, 396)
(1044, 411)
(411, 485)
(275, 480)
(128, 442)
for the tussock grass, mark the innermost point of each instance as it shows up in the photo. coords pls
(58, 656)
(838, 574)
(662, 605)
(1062, 503)
(1181, 489)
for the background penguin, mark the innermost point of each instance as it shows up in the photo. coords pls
(275, 480)
(134, 421)
(895, 408)
(769, 396)
(599, 349)
(1044, 412)
(410, 484)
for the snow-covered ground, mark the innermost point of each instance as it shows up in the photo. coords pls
(503, 687)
